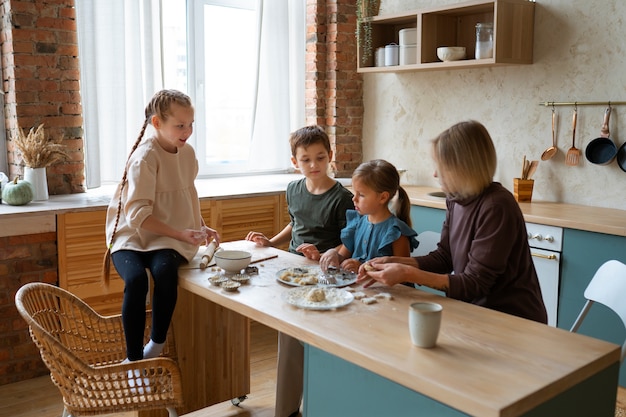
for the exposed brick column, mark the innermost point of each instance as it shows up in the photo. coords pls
(334, 96)
(41, 83)
(28, 258)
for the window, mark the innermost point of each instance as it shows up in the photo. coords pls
(241, 61)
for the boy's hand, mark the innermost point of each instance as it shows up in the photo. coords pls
(258, 238)
(310, 251)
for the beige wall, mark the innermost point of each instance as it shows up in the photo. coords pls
(579, 55)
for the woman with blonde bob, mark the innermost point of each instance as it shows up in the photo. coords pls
(483, 255)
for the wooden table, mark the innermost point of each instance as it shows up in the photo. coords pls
(486, 363)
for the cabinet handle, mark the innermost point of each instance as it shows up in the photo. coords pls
(541, 255)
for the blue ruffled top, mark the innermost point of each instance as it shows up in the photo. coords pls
(366, 240)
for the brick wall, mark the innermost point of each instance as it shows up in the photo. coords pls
(41, 83)
(334, 97)
(23, 259)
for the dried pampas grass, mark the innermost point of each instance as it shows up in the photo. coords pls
(39, 151)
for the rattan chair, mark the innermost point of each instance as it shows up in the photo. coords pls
(84, 352)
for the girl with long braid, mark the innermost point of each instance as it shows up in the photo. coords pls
(154, 220)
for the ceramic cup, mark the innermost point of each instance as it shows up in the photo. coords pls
(424, 323)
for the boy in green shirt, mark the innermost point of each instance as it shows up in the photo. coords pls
(317, 207)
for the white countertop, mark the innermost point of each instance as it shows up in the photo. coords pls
(218, 188)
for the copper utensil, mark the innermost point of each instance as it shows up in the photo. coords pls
(551, 151)
(573, 154)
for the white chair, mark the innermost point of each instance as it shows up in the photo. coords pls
(608, 287)
(428, 242)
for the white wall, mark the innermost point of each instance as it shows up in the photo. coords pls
(579, 55)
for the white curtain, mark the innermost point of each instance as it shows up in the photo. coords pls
(121, 68)
(120, 63)
(279, 104)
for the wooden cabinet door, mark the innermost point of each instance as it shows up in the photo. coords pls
(235, 217)
(81, 246)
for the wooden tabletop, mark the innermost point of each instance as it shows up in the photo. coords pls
(486, 363)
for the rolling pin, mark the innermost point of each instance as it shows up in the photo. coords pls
(208, 254)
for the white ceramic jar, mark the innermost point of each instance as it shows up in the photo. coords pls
(391, 55)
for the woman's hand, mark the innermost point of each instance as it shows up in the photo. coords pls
(388, 274)
(310, 251)
(258, 238)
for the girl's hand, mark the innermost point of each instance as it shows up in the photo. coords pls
(258, 238)
(309, 250)
(351, 265)
(194, 237)
(329, 258)
(211, 234)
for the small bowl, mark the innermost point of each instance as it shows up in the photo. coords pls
(218, 280)
(240, 278)
(451, 53)
(230, 285)
(232, 260)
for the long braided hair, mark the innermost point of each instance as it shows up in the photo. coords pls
(160, 105)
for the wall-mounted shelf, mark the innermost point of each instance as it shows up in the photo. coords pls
(454, 25)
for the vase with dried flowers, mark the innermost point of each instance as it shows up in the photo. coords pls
(39, 152)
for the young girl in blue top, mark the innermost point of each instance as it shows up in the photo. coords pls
(381, 223)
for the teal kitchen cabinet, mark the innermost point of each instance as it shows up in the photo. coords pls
(583, 253)
(427, 218)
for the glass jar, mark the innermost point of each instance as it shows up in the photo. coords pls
(484, 40)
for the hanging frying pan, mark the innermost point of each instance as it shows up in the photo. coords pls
(602, 150)
(621, 157)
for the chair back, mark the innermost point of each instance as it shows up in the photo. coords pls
(85, 354)
(428, 242)
(607, 287)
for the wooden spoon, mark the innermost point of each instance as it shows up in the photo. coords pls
(551, 151)
(531, 169)
(573, 154)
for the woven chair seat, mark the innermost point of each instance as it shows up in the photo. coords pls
(84, 352)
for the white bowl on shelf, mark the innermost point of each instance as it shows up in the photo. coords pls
(451, 53)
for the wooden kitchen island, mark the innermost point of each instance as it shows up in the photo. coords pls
(359, 360)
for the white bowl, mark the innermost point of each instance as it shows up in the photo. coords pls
(451, 53)
(232, 260)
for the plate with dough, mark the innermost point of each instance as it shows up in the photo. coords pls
(318, 298)
(306, 276)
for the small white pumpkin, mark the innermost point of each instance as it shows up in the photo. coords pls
(17, 192)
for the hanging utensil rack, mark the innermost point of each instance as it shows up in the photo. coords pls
(581, 103)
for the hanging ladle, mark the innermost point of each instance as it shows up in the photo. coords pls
(551, 151)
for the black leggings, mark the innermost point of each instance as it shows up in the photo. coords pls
(131, 265)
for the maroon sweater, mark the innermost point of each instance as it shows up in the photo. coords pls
(484, 241)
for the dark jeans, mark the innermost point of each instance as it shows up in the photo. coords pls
(131, 265)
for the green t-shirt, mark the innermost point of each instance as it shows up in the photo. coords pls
(317, 218)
